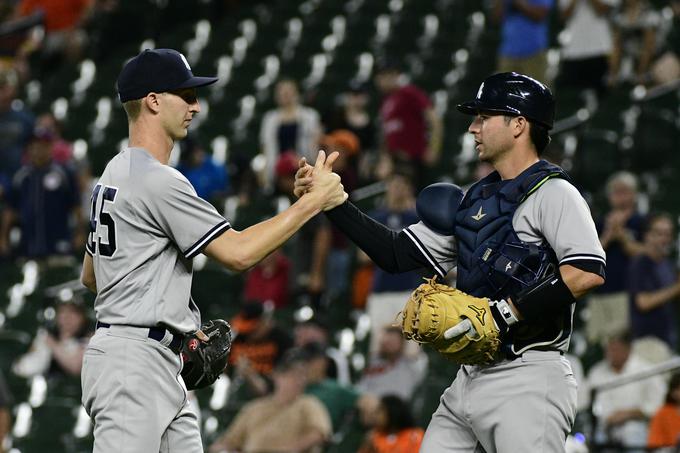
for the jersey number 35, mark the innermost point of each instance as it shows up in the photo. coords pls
(102, 237)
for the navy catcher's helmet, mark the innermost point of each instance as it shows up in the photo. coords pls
(514, 94)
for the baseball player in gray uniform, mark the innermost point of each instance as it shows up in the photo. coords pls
(524, 238)
(147, 223)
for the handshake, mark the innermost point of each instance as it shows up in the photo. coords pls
(319, 183)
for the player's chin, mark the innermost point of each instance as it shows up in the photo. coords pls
(181, 132)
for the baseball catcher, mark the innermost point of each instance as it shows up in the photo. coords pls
(525, 247)
(205, 359)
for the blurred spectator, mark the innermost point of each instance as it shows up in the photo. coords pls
(16, 128)
(664, 429)
(347, 144)
(259, 342)
(290, 126)
(268, 280)
(394, 430)
(58, 349)
(45, 200)
(411, 128)
(251, 204)
(666, 68)
(315, 331)
(653, 284)
(340, 400)
(5, 416)
(352, 115)
(285, 421)
(64, 19)
(524, 36)
(209, 179)
(389, 291)
(308, 249)
(391, 371)
(635, 42)
(623, 412)
(588, 43)
(48, 125)
(620, 233)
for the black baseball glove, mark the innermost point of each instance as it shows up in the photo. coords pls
(205, 360)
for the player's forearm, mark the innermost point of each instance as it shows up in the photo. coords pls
(239, 251)
(579, 281)
(390, 250)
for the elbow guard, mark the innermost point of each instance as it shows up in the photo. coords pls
(549, 297)
(437, 205)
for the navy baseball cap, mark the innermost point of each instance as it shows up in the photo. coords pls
(158, 71)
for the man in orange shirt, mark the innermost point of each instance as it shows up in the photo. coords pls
(664, 429)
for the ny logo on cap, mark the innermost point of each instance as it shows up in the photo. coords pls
(479, 92)
(186, 63)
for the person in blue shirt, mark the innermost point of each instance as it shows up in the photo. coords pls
(210, 180)
(44, 200)
(524, 36)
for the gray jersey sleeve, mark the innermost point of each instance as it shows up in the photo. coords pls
(440, 251)
(558, 214)
(178, 212)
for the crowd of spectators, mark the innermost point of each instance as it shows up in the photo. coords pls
(298, 377)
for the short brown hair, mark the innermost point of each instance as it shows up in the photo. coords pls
(133, 108)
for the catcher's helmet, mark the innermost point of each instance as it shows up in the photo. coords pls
(514, 94)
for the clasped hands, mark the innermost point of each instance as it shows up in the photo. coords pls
(319, 180)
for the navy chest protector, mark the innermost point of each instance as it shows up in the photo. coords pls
(492, 261)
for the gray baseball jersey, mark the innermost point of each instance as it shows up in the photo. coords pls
(555, 214)
(147, 224)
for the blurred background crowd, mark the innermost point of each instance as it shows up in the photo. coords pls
(317, 364)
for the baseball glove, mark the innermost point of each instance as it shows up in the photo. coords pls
(459, 326)
(205, 360)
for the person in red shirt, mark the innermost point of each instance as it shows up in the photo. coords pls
(394, 430)
(664, 429)
(268, 280)
(411, 128)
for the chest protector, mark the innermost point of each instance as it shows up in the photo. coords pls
(492, 261)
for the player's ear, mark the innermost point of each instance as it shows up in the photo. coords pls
(519, 125)
(152, 101)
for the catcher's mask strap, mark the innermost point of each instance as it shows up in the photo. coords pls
(549, 297)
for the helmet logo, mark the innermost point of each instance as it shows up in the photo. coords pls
(193, 344)
(479, 92)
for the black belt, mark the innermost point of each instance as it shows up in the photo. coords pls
(155, 333)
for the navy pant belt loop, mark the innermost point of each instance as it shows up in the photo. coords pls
(155, 333)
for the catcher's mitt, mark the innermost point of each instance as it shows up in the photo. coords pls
(204, 361)
(433, 309)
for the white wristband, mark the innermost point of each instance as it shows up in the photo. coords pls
(506, 312)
